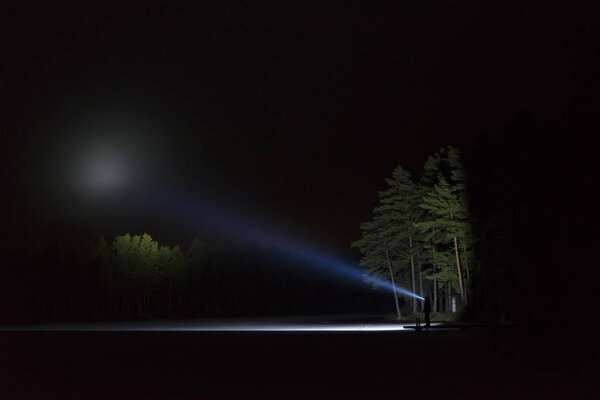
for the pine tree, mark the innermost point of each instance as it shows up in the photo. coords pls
(121, 260)
(375, 246)
(459, 189)
(147, 271)
(391, 238)
(447, 216)
(399, 206)
(171, 266)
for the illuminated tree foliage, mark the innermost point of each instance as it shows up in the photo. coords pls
(132, 277)
(447, 224)
(446, 217)
(425, 228)
(391, 232)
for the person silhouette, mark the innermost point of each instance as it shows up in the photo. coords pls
(427, 311)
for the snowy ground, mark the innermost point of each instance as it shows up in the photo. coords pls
(333, 323)
(305, 357)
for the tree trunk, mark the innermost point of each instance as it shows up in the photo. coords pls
(412, 274)
(466, 262)
(435, 307)
(448, 295)
(393, 283)
(468, 278)
(420, 281)
(460, 282)
(420, 277)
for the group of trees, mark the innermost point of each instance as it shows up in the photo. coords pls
(419, 235)
(514, 243)
(133, 276)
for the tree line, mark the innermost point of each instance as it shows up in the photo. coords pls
(419, 234)
(134, 277)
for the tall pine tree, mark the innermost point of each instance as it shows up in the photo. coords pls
(391, 234)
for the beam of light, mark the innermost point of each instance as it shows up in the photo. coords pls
(202, 215)
(148, 326)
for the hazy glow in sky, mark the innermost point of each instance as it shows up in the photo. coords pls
(108, 157)
(105, 170)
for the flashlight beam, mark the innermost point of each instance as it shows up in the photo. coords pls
(229, 226)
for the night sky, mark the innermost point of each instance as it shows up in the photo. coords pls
(290, 115)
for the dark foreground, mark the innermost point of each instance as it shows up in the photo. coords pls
(501, 363)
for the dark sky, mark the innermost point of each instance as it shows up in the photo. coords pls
(291, 114)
